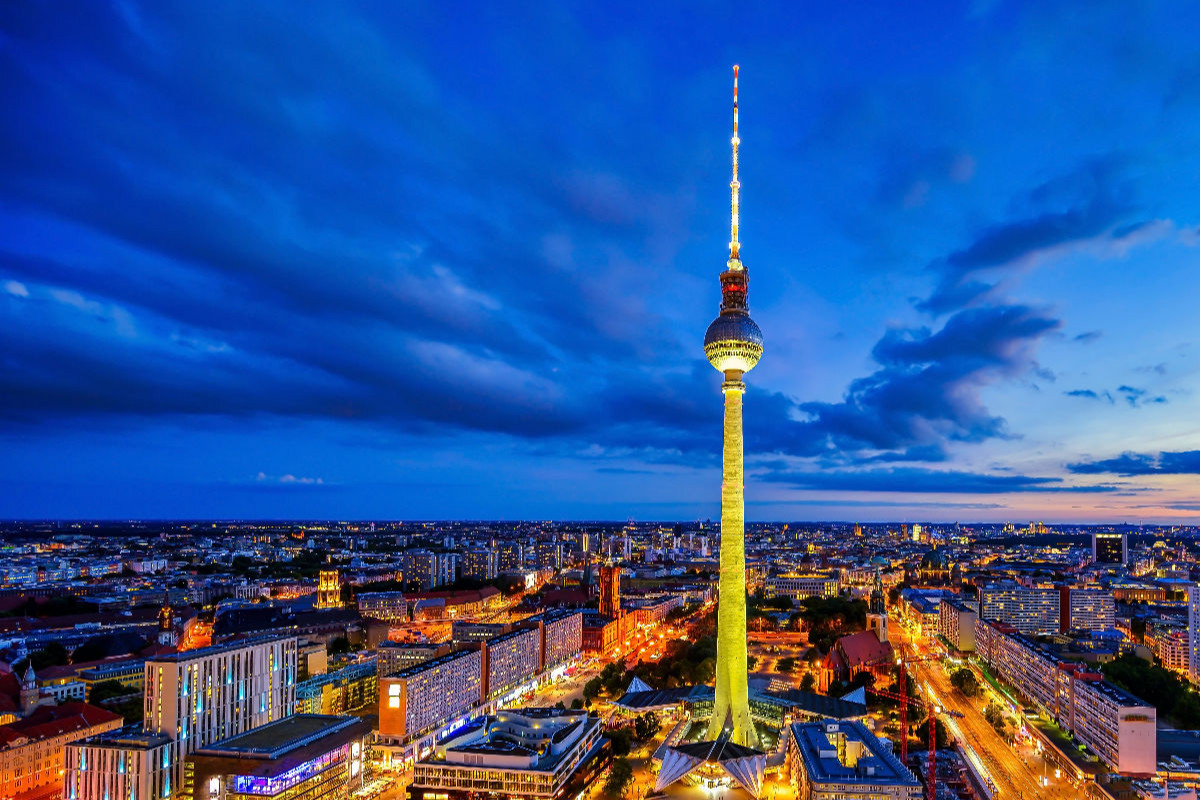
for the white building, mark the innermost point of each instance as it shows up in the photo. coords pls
(1030, 610)
(192, 699)
(1194, 634)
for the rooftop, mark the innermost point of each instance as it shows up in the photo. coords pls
(277, 738)
(217, 649)
(825, 761)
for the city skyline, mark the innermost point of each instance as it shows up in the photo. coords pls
(358, 264)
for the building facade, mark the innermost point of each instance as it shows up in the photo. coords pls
(1030, 610)
(800, 587)
(31, 749)
(956, 622)
(843, 760)
(1119, 727)
(510, 660)
(419, 698)
(520, 753)
(191, 699)
(309, 756)
(390, 606)
(1086, 609)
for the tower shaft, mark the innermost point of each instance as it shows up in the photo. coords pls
(731, 701)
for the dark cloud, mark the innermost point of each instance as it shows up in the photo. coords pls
(924, 481)
(1138, 397)
(1178, 462)
(926, 392)
(1090, 394)
(1089, 203)
(1087, 336)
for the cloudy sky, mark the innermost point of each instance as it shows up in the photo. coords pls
(455, 260)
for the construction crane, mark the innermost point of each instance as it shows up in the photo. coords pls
(904, 700)
(901, 663)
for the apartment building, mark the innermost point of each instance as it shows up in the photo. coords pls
(956, 622)
(483, 565)
(420, 698)
(510, 660)
(1119, 727)
(1086, 609)
(1031, 610)
(390, 606)
(31, 749)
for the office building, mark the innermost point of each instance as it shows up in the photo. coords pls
(31, 748)
(800, 587)
(353, 687)
(1030, 610)
(309, 756)
(1086, 609)
(842, 760)
(191, 699)
(389, 606)
(518, 753)
(1110, 548)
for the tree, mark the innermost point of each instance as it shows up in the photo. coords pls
(338, 646)
(560, 705)
(621, 739)
(645, 726)
(592, 689)
(995, 715)
(808, 682)
(105, 690)
(964, 680)
(785, 665)
(576, 703)
(751, 662)
(620, 775)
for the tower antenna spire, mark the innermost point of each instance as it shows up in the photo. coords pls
(734, 185)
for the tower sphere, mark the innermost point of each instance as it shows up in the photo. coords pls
(733, 342)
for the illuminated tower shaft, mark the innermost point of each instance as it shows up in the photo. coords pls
(733, 344)
(731, 700)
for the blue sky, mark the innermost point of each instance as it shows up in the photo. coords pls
(456, 260)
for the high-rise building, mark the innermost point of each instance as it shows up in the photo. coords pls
(733, 344)
(610, 590)
(481, 564)
(1086, 609)
(1028, 609)
(192, 699)
(329, 589)
(1110, 548)
(1194, 634)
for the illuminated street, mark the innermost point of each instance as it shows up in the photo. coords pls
(1016, 773)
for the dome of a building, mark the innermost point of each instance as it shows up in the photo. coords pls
(733, 342)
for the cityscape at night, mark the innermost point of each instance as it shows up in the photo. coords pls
(388, 412)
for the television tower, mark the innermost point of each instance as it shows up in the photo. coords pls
(733, 344)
